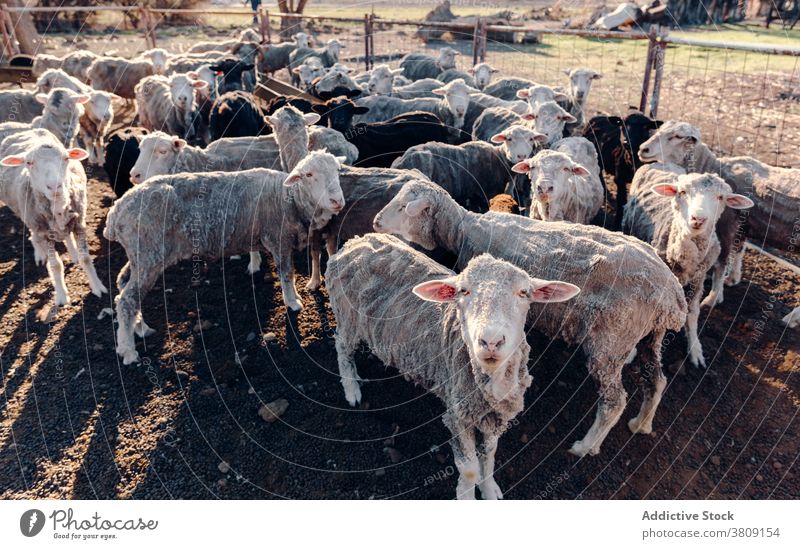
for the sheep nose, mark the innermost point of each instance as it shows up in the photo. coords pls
(376, 224)
(336, 205)
(698, 221)
(492, 342)
(135, 177)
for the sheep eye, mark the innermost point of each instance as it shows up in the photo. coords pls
(309, 174)
(720, 197)
(524, 293)
(682, 193)
(463, 291)
(29, 162)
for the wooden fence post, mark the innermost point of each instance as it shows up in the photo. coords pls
(659, 56)
(475, 35)
(648, 69)
(367, 34)
(265, 32)
(8, 41)
(147, 28)
(371, 40)
(484, 36)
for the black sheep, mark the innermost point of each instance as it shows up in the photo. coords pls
(236, 114)
(121, 153)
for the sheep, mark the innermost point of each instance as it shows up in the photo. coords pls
(628, 295)
(561, 189)
(118, 75)
(168, 103)
(44, 184)
(417, 66)
(418, 88)
(479, 102)
(496, 119)
(550, 119)
(182, 64)
(157, 56)
(43, 62)
(453, 74)
(289, 125)
(536, 94)
(61, 115)
(19, 106)
(482, 73)
(677, 213)
(75, 64)
(507, 87)
(580, 83)
(246, 35)
(120, 155)
(380, 143)
(98, 110)
(475, 171)
(232, 74)
(778, 190)
(236, 114)
(450, 109)
(271, 208)
(308, 71)
(329, 55)
(274, 57)
(334, 84)
(476, 318)
(381, 80)
(617, 157)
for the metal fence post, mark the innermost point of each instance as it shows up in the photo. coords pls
(660, 52)
(372, 40)
(648, 69)
(368, 43)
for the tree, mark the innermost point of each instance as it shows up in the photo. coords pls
(24, 28)
(290, 26)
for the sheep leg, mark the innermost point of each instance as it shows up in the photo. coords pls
(55, 269)
(608, 374)
(735, 266)
(316, 252)
(463, 446)
(695, 348)
(285, 265)
(347, 370)
(486, 452)
(72, 248)
(85, 260)
(330, 244)
(715, 296)
(129, 309)
(255, 263)
(651, 381)
(39, 243)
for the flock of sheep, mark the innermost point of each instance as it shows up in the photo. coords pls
(419, 152)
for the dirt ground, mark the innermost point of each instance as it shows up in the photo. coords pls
(76, 423)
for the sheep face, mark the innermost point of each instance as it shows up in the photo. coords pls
(340, 112)
(181, 89)
(334, 47)
(456, 95)
(158, 57)
(550, 173)
(518, 142)
(301, 40)
(580, 82)
(447, 58)
(336, 79)
(318, 177)
(158, 153)
(550, 120)
(205, 74)
(382, 79)
(64, 108)
(100, 108)
(673, 142)
(699, 199)
(539, 94)
(246, 51)
(309, 71)
(482, 72)
(410, 214)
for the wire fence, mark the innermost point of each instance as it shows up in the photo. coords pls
(745, 98)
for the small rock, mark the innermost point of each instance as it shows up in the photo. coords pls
(561, 384)
(269, 337)
(440, 458)
(182, 375)
(202, 325)
(394, 455)
(272, 411)
(524, 438)
(222, 483)
(251, 336)
(251, 391)
(97, 347)
(380, 472)
(715, 461)
(777, 465)
(224, 467)
(551, 429)
(759, 478)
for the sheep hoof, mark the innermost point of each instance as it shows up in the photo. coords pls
(129, 356)
(313, 285)
(490, 490)
(639, 428)
(295, 305)
(352, 392)
(711, 300)
(62, 300)
(697, 359)
(581, 449)
(99, 290)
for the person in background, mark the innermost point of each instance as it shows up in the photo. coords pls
(255, 4)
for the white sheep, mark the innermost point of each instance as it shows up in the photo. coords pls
(677, 213)
(459, 336)
(380, 80)
(260, 207)
(308, 71)
(44, 184)
(74, 64)
(537, 94)
(274, 57)
(550, 120)
(628, 296)
(496, 119)
(580, 83)
(63, 109)
(507, 87)
(168, 103)
(418, 65)
(482, 73)
(792, 320)
(19, 106)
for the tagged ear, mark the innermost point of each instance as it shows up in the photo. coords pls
(41, 98)
(498, 138)
(553, 291)
(293, 179)
(416, 207)
(738, 202)
(81, 99)
(311, 118)
(665, 189)
(523, 94)
(13, 160)
(437, 291)
(521, 167)
(77, 154)
(178, 144)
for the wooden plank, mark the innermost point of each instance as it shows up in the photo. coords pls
(271, 88)
(16, 75)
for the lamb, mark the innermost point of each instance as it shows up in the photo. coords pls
(482, 72)
(628, 295)
(561, 189)
(43, 62)
(245, 36)
(417, 66)
(334, 84)
(777, 190)
(61, 115)
(677, 213)
(381, 80)
(267, 207)
(44, 184)
(274, 57)
(120, 155)
(19, 106)
(475, 318)
(232, 74)
(157, 56)
(118, 75)
(496, 119)
(450, 108)
(618, 158)
(168, 103)
(98, 111)
(580, 83)
(475, 171)
(308, 71)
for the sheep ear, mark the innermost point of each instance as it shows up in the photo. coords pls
(270, 120)
(568, 118)
(311, 118)
(293, 179)
(577, 169)
(77, 154)
(200, 84)
(81, 99)
(540, 138)
(545, 291)
(665, 189)
(437, 291)
(396, 72)
(560, 96)
(416, 207)
(193, 75)
(657, 124)
(178, 144)
(471, 71)
(342, 160)
(566, 71)
(529, 116)
(498, 138)
(521, 167)
(41, 98)
(597, 76)
(296, 70)
(439, 91)
(13, 160)
(738, 202)
(114, 96)
(523, 94)
(495, 70)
